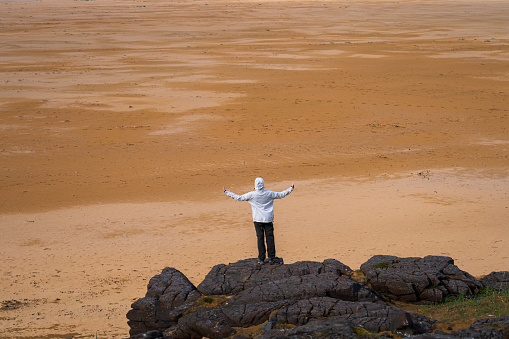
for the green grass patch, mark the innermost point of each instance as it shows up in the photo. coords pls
(382, 265)
(487, 304)
(363, 333)
(206, 301)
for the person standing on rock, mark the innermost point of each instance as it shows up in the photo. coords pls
(262, 201)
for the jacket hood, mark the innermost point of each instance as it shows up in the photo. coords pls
(259, 184)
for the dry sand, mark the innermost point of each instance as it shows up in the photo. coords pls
(120, 121)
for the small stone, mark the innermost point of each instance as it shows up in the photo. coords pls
(268, 326)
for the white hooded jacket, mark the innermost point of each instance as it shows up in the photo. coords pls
(261, 200)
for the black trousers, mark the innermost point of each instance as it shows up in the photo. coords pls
(265, 230)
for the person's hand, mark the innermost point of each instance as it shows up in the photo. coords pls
(293, 185)
(224, 189)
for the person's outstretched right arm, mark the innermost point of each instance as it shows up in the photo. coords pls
(232, 195)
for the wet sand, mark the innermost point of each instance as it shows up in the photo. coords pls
(120, 122)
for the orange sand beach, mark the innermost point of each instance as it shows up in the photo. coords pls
(121, 121)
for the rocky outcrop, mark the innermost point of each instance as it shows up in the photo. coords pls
(162, 305)
(304, 287)
(492, 328)
(259, 291)
(242, 275)
(306, 299)
(287, 294)
(501, 325)
(374, 317)
(428, 279)
(496, 281)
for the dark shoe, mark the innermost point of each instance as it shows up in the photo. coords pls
(260, 262)
(275, 260)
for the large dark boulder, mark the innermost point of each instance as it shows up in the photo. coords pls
(374, 317)
(162, 305)
(254, 283)
(496, 281)
(304, 287)
(245, 274)
(428, 279)
(219, 322)
(206, 322)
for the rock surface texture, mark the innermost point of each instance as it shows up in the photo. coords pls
(428, 279)
(493, 328)
(160, 308)
(304, 299)
(496, 281)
